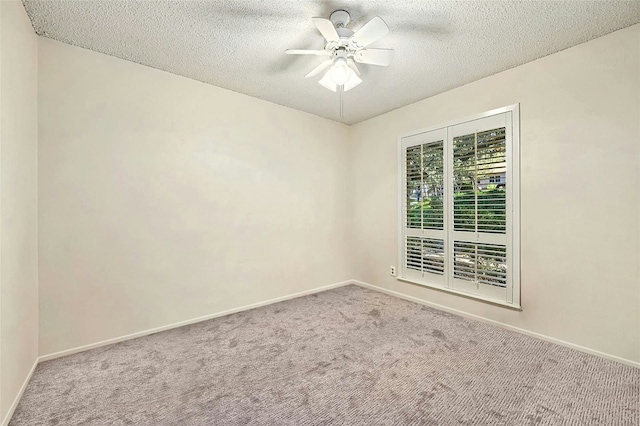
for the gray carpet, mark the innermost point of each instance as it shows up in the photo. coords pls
(348, 356)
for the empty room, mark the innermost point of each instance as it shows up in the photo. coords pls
(306, 212)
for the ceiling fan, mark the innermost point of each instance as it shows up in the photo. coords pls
(345, 48)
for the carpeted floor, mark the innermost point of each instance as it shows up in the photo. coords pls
(347, 356)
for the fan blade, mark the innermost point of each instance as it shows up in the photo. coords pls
(317, 70)
(327, 82)
(353, 66)
(380, 57)
(326, 28)
(305, 52)
(373, 30)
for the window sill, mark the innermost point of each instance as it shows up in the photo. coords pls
(513, 306)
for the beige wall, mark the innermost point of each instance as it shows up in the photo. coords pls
(163, 199)
(580, 192)
(18, 201)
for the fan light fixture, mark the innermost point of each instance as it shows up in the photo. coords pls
(345, 48)
(340, 74)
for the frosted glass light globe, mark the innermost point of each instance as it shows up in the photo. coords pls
(340, 72)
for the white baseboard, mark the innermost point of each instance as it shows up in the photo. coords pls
(188, 322)
(14, 404)
(499, 324)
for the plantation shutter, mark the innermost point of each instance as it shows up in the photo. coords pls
(423, 236)
(481, 187)
(457, 202)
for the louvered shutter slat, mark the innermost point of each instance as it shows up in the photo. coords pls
(483, 263)
(425, 254)
(433, 185)
(413, 184)
(479, 204)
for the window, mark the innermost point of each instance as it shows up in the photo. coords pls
(459, 215)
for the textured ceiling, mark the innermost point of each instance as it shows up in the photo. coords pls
(239, 45)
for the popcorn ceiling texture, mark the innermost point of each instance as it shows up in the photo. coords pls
(239, 45)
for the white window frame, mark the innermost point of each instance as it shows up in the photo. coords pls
(446, 282)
